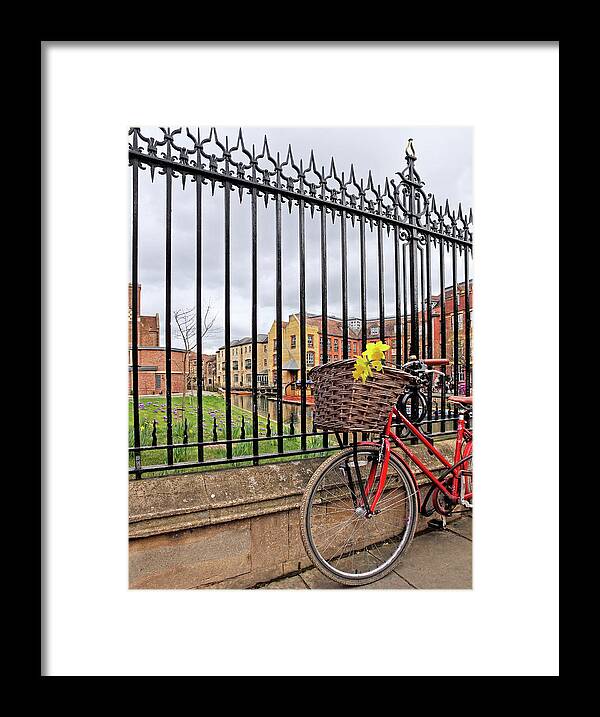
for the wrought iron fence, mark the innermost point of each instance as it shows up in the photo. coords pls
(432, 313)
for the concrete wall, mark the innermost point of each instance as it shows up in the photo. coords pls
(231, 528)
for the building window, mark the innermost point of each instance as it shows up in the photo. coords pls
(235, 378)
(309, 338)
(248, 378)
(248, 363)
(374, 331)
(336, 345)
(265, 362)
(310, 358)
(235, 365)
(293, 341)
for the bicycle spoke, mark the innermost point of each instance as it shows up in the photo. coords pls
(341, 531)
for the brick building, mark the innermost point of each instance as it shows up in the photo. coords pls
(209, 372)
(152, 375)
(436, 326)
(148, 326)
(291, 356)
(461, 306)
(240, 366)
(290, 329)
(152, 357)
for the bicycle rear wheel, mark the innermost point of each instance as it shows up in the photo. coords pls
(406, 410)
(342, 542)
(446, 506)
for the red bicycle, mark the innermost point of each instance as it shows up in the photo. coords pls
(360, 509)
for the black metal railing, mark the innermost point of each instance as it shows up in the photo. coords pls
(427, 302)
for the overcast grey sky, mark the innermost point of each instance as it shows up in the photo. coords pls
(444, 162)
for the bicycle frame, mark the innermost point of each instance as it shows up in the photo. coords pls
(464, 437)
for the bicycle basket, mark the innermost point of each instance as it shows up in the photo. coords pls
(343, 404)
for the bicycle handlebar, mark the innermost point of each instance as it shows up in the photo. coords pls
(419, 366)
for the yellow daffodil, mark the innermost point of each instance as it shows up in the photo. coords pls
(376, 351)
(362, 369)
(371, 359)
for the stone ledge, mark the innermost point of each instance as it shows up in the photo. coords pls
(193, 500)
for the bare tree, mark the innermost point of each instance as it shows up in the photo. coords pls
(185, 321)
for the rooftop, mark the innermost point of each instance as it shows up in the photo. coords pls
(260, 339)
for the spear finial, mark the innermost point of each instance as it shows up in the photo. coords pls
(290, 157)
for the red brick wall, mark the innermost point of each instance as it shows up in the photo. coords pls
(157, 357)
(148, 331)
(148, 326)
(146, 382)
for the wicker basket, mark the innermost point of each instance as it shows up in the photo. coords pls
(343, 404)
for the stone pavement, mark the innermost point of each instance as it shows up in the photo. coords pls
(436, 559)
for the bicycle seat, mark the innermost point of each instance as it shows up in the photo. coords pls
(436, 361)
(465, 400)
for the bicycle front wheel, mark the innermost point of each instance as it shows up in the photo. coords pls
(342, 542)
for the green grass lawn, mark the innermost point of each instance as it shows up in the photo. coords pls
(153, 408)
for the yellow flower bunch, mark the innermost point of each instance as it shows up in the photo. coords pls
(371, 359)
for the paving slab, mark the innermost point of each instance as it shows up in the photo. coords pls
(437, 560)
(292, 583)
(463, 526)
(390, 582)
(362, 560)
(317, 581)
(440, 559)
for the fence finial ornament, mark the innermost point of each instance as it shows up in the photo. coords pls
(410, 150)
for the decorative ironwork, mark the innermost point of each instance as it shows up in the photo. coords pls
(215, 163)
(423, 230)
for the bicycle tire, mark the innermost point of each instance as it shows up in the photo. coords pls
(439, 500)
(309, 519)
